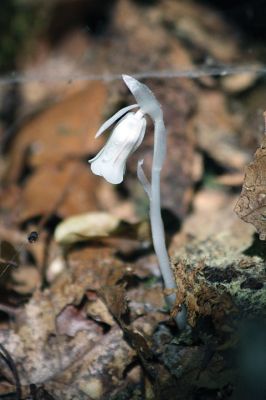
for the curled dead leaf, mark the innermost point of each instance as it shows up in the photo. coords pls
(86, 226)
(116, 300)
(251, 205)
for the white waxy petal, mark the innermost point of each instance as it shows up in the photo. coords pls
(128, 134)
(114, 118)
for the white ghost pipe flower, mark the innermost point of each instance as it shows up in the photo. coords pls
(126, 137)
(110, 163)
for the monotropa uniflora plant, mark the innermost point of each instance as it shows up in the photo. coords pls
(110, 163)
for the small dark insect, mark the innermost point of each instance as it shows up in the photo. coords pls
(33, 237)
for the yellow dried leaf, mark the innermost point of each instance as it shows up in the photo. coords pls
(86, 226)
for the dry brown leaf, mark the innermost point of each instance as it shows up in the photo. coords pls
(35, 339)
(116, 300)
(209, 34)
(54, 311)
(215, 130)
(66, 129)
(238, 83)
(214, 206)
(66, 189)
(97, 310)
(98, 372)
(81, 345)
(86, 226)
(251, 206)
(95, 267)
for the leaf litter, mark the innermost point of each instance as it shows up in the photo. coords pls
(84, 318)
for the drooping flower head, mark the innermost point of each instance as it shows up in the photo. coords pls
(126, 137)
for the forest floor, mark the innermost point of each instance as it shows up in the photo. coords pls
(82, 311)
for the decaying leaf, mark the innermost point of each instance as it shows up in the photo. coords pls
(72, 320)
(71, 191)
(85, 226)
(97, 309)
(71, 125)
(94, 225)
(115, 298)
(251, 205)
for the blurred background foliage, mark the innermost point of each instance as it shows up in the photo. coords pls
(22, 22)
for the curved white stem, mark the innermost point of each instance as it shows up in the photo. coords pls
(157, 228)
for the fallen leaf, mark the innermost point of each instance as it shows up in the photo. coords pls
(251, 206)
(99, 225)
(64, 189)
(214, 206)
(64, 130)
(97, 310)
(72, 320)
(109, 358)
(116, 300)
(235, 84)
(86, 226)
(215, 130)
(208, 35)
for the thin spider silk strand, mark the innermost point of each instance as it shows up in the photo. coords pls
(192, 73)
